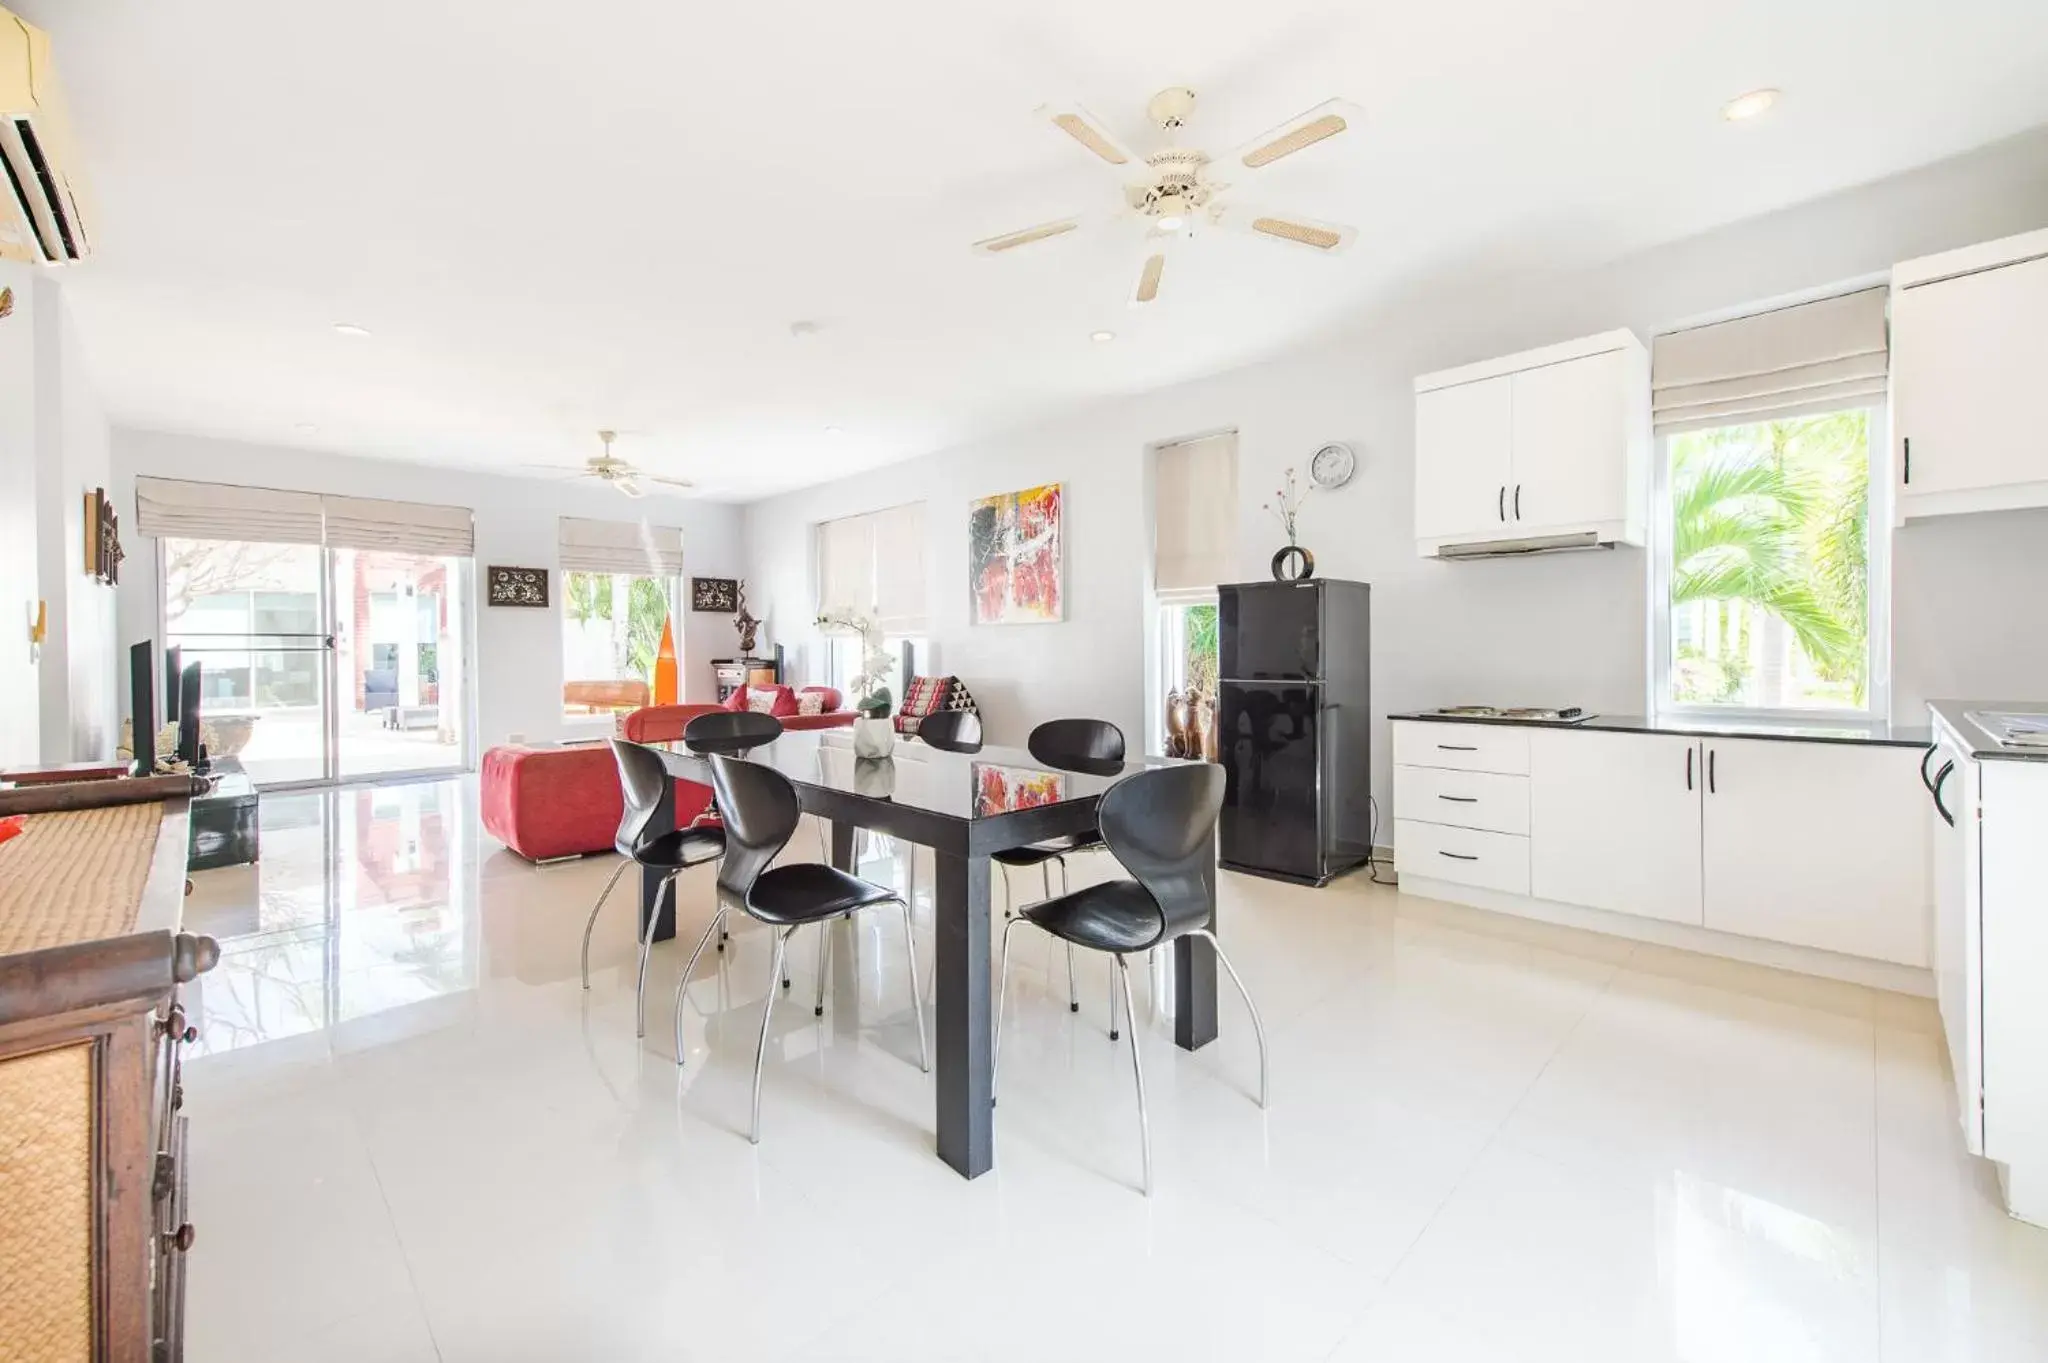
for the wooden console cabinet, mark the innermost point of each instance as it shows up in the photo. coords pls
(93, 1218)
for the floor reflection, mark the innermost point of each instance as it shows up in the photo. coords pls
(363, 903)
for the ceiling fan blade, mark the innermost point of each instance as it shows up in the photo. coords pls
(1324, 238)
(671, 482)
(625, 484)
(1085, 128)
(1025, 236)
(1296, 135)
(1151, 270)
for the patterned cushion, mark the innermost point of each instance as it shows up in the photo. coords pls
(761, 699)
(810, 703)
(929, 695)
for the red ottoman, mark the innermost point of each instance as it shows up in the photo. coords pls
(562, 802)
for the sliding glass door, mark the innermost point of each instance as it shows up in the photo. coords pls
(321, 665)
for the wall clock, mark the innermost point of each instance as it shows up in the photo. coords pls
(1332, 466)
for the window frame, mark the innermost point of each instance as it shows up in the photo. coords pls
(1169, 644)
(673, 584)
(1877, 538)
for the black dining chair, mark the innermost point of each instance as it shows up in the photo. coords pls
(643, 781)
(761, 812)
(1157, 824)
(951, 730)
(1071, 745)
(737, 732)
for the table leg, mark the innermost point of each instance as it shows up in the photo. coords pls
(1194, 972)
(663, 819)
(843, 834)
(966, 1114)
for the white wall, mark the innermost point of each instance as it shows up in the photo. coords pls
(20, 702)
(518, 665)
(1564, 629)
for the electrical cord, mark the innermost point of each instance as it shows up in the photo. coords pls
(1372, 856)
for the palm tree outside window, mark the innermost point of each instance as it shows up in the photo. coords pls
(1769, 578)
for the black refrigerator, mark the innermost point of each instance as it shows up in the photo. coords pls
(1294, 723)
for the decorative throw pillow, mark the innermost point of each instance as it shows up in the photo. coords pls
(810, 703)
(761, 699)
(736, 701)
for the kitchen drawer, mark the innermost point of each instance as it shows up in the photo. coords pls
(1491, 861)
(1468, 799)
(1465, 747)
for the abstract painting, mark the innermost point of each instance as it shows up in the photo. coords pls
(1013, 557)
(1005, 790)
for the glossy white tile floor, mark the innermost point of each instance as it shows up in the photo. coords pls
(416, 1138)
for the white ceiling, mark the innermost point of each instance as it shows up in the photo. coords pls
(556, 217)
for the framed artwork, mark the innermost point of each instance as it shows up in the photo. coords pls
(1014, 557)
(102, 539)
(720, 595)
(1005, 790)
(516, 586)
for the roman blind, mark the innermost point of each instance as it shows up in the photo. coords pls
(899, 569)
(874, 564)
(620, 547)
(1791, 361)
(175, 508)
(399, 527)
(1194, 514)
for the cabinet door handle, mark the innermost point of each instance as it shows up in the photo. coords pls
(1688, 768)
(1909, 459)
(1935, 790)
(1455, 856)
(1710, 771)
(1460, 799)
(1456, 747)
(1502, 503)
(1518, 501)
(1925, 758)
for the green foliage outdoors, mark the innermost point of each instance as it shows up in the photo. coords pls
(1772, 516)
(1200, 631)
(589, 596)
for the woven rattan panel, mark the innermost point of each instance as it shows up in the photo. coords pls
(76, 876)
(46, 1191)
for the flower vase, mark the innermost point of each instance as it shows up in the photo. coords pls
(1293, 564)
(873, 738)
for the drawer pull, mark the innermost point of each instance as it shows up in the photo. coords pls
(1455, 747)
(1460, 799)
(179, 1239)
(1455, 856)
(165, 1179)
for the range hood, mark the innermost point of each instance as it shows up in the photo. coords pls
(1534, 544)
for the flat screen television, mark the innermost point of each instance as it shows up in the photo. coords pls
(142, 705)
(190, 750)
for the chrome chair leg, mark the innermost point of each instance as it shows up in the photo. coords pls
(924, 1051)
(824, 964)
(591, 921)
(1113, 1033)
(668, 887)
(717, 927)
(1123, 971)
(1258, 1027)
(995, 1060)
(761, 1046)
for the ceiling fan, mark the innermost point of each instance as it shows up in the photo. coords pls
(609, 468)
(1177, 189)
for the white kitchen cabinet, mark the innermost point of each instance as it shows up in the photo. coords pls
(1468, 430)
(1818, 844)
(1462, 856)
(1614, 822)
(1467, 799)
(1545, 449)
(1969, 359)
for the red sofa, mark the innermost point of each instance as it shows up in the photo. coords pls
(545, 803)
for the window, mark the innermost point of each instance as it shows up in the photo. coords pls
(1767, 579)
(611, 635)
(1194, 547)
(1771, 556)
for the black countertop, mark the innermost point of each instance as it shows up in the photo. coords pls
(1958, 715)
(1792, 731)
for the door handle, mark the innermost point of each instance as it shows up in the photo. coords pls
(1925, 758)
(1909, 459)
(1502, 504)
(1455, 856)
(1518, 501)
(1710, 771)
(1460, 799)
(1935, 790)
(1688, 768)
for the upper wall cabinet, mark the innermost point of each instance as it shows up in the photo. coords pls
(1969, 363)
(1548, 449)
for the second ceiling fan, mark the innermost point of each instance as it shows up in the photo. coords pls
(1177, 189)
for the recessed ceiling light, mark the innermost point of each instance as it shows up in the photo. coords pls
(351, 329)
(306, 428)
(1099, 337)
(834, 430)
(1749, 106)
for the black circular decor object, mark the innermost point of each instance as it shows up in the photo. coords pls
(1293, 564)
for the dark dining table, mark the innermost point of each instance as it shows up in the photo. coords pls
(964, 807)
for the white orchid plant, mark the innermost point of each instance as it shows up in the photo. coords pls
(871, 683)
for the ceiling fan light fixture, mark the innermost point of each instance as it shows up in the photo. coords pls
(1754, 104)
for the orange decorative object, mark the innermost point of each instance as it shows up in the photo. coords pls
(665, 667)
(9, 827)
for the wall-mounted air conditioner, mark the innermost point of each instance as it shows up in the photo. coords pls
(40, 185)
